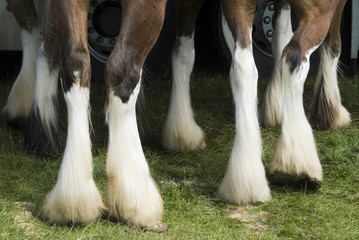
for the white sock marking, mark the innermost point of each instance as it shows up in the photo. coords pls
(181, 131)
(131, 193)
(22, 93)
(296, 152)
(75, 197)
(328, 70)
(272, 106)
(46, 94)
(244, 181)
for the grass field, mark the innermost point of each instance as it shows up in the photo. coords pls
(188, 181)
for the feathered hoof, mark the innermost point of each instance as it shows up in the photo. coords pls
(15, 123)
(81, 207)
(158, 228)
(269, 121)
(57, 216)
(138, 205)
(302, 181)
(257, 193)
(185, 142)
(14, 117)
(38, 142)
(335, 118)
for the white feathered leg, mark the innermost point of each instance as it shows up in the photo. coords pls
(43, 133)
(271, 109)
(75, 197)
(131, 193)
(244, 181)
(181, 131)
(327, 111)
(296, 154)
(22, 92)
(45, 101)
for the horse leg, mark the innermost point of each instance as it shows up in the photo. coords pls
(271, 109)
(296, 160)
(181, 131)
(244, 181)
(43, 134)
(18, 104)
(327, 111)
(75, 197)
(131, 194)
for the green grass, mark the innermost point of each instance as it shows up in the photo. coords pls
(188, 181)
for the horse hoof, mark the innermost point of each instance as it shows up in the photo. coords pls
(302, 181)
(158, 228)
(16, 123)
(40, 144)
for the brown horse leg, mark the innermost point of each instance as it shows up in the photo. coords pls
(75, 197)
(327, 111)
(19, 102)
(181, 131)
(245, 180)
(296, 158)
(131, 194)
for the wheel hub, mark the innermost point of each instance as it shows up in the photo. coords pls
(263, 27)
(104, 23)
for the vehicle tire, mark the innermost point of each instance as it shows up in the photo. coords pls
(347, 65)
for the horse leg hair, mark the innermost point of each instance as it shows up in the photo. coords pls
(131, 194)
(19, 102)
(271, 109)
(244, 181)
(75, 197)
(296, 157)
(181, 131)
(327, 111)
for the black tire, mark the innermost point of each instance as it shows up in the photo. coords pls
(262, 34)
(347, 65)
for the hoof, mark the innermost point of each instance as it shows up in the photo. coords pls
(181, 134)
(189, 143)
(71, 213)
(302, 181)
(73, 200)
(158, 228)
(38, 141)
(40, 145)
(16, 123)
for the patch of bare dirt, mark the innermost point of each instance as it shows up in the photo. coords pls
(23, 218)
(253, 221)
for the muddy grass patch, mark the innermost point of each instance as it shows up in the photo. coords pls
(254, 222)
